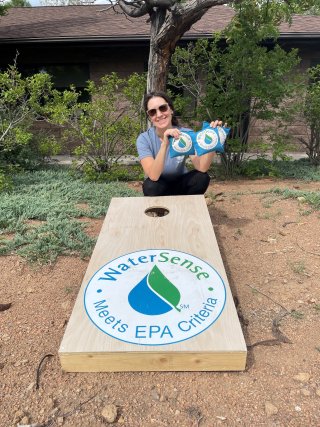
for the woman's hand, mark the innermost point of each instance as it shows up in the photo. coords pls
(174, 132)
(216, 123)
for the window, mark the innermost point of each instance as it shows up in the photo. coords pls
(63, 75)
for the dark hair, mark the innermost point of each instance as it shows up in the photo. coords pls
(163, 95)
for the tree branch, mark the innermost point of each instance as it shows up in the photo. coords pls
(133, 10)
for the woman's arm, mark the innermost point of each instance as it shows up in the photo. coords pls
(153, 167)
(202, 163)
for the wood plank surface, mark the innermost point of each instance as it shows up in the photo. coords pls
(186, 228)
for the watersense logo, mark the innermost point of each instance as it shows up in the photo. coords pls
(155, 297)
(182, 144)
(154, 294)
(207, 139)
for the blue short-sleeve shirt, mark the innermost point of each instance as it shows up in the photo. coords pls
(148, 145)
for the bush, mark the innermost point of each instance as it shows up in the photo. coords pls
(20, 103)
(106, 127)
(311, 114)
(236, 78)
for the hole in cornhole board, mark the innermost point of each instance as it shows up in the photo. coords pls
(156, 211)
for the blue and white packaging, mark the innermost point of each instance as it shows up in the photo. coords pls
(183, 145)
(210, 139)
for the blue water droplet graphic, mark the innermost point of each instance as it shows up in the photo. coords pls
(145, 301)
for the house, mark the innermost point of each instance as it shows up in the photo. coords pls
(78, 43)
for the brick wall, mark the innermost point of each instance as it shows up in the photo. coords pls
(309, 57)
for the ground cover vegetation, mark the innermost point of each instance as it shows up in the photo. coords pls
(45, 215)
(48, 211)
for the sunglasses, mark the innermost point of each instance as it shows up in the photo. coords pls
(162, 108)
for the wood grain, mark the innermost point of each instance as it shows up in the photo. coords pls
(187, 228)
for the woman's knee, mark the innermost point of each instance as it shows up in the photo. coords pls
(200, 181)
(154, 188)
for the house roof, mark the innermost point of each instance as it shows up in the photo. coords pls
(92, 22)
(103, 22)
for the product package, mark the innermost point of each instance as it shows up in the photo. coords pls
(210, 139)
(182, 146)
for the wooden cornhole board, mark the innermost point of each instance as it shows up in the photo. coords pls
(155, 296)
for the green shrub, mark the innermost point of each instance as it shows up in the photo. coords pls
(20, 102)
(311, 113)
(106, 127)
(236, 78)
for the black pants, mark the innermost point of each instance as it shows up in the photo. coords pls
(193, 182)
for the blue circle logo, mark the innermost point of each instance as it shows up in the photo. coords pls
(155, 297)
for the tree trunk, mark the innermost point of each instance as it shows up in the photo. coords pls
(158, 64)
(166, 31)
(159, 56)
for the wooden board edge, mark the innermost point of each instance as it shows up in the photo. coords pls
(168, 361)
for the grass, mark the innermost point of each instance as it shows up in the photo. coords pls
(284, 169)
(39, 217)
(310, 197)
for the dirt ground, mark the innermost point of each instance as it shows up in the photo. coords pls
(271, 250)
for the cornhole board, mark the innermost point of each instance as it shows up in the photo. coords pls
(155, 296)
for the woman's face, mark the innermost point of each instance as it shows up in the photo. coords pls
(160, 113)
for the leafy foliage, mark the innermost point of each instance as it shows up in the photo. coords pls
(310, 110)
(18, 3)
(40, 218)
(236, 77)
(20, 102)
(104, 128)
(3, 7)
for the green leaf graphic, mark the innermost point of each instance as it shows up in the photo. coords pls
(182, 143)
(163, 287)
(208, 139)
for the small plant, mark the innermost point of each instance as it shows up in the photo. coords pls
(257, 168)
(296, 314)
(5, 181)
(268, 203)
(239, 232)
(306, 212)
(317, 307)
(298, 267)
(310, 197)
